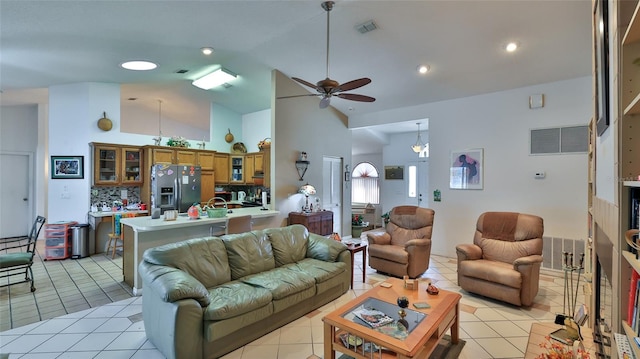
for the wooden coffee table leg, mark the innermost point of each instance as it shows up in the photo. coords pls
(353, 266)
(455, 332)
(328, 342)
(364, 262)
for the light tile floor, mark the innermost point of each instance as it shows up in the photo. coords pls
(81, 309)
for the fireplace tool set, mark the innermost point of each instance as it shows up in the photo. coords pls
(571, 332)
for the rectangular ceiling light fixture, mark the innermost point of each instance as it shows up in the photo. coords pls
(216, 78)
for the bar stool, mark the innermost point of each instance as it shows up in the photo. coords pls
(238, 224)
(115, 237)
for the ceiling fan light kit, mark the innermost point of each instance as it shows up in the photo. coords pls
(328, 88)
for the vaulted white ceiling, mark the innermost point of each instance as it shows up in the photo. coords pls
(46, 43)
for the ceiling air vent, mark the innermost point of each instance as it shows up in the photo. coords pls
(366, 27)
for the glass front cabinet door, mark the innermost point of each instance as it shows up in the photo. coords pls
(106, 166)
(131, 165)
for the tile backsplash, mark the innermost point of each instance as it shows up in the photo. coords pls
(109, 194)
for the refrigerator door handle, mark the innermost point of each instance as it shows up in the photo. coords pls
(178, 190)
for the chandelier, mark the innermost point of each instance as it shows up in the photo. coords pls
(420, 145)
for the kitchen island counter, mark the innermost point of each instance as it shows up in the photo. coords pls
(146, 224)
(142, 233)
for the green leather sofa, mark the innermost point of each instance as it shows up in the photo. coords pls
(205, 297)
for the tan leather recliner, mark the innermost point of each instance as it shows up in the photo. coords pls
(504, 260)
(405, 247)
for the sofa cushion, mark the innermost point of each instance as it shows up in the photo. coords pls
(289, 243)
(319, 270)
(389, 252)
(235, 298)
(281, 282)
(492, 271)
(324, 248)
(205, 259)
(249, 253)
(218, 329)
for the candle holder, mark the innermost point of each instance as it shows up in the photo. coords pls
(403, 302)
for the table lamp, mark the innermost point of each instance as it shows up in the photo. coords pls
(307, 190)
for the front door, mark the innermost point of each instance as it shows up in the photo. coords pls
(418, 183)
(16, 205)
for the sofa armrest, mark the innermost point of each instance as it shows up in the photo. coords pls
(379, 238)
(175, 328)
(324, 248)
(419, 242)
(172, 284)
(527, 261)
(468, 251)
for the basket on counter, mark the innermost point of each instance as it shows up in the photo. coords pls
(216, 212)
(264, 144)
(213, 212)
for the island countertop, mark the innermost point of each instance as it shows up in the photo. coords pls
(146, 224)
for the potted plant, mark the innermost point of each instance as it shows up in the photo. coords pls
(356, 225)
(385, 218)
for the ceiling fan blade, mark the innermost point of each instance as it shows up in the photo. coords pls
(353, 84)
(309, 84)
(324, 103)
(309, 94)
(355, 97)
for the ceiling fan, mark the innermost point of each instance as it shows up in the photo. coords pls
(328, 88)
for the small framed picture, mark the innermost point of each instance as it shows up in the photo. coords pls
(67, 167)
(393, 172)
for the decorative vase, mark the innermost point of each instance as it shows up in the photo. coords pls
(356, 231)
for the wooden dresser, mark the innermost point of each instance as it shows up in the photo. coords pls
(317, 222)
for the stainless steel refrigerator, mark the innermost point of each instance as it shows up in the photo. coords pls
(174, 187)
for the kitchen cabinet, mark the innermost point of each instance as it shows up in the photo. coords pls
(249, 168)
(316, 222)
(222, 166)
(266, 166)
(117, 165)
(207, 185)
(206, 160)
(170, 155)
(237, 169)
(253, 164)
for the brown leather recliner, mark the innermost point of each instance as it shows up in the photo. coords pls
(405, 247)
(504, 260)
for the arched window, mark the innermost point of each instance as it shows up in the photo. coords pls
(365, 187)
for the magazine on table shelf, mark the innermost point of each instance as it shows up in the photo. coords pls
(373, 317)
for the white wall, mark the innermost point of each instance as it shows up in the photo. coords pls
(224, 120)
(500, 123)
(256, 127)
(299, 125)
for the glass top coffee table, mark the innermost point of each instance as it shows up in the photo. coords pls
(345, 332)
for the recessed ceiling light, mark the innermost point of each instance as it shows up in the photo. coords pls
(207, 50)
(139, 65)
(423, 69)
(511, 47)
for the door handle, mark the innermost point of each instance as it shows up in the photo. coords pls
(25, 199)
